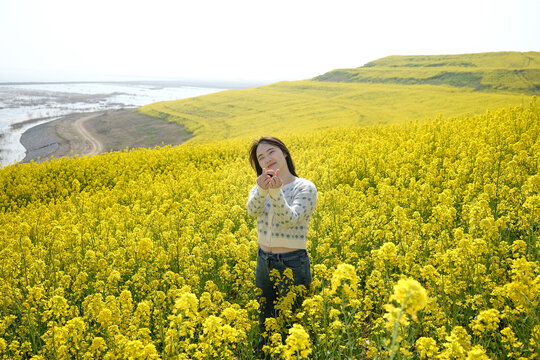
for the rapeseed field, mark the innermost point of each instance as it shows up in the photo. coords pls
(423, 246)
(307, 105)
(394, 89)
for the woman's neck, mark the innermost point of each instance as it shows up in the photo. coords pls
(288, 178)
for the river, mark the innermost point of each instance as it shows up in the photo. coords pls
(23, 106)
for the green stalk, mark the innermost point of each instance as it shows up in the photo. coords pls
(396, 328)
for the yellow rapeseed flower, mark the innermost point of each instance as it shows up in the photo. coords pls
(426, 347)
(297, 344)
(410, 295)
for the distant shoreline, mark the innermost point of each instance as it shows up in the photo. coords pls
(213, 84)
(47, 101)
(38, 143)
(111, 130)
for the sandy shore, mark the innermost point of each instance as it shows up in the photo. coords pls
(38, 143)
(94, 133)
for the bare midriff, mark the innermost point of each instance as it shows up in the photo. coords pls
(276, 250)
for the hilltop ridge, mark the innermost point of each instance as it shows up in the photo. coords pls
(494, 71)
(393, 89)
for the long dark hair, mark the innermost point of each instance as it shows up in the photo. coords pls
(272, 141)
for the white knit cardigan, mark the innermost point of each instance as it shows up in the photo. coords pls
(283, 214)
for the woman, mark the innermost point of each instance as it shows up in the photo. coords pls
(282, 203)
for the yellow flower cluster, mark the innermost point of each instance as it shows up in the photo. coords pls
(150, 254)
(410, 295)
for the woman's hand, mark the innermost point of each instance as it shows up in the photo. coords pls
(275, 181)
(269, 179)
(264, 179)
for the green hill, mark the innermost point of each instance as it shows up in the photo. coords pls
(509, 71)
(394, 89)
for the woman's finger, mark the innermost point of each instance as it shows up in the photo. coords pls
(276, 182)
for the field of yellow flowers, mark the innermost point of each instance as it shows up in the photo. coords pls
(307, 105)
(393, 89)
(423, 246)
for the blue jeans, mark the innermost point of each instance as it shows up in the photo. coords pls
(272, 290)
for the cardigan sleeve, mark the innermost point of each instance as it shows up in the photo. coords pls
(257, 198)
(299, 210)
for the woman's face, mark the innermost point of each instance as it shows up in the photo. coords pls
(271, 157)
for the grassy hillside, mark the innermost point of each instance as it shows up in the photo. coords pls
(509, 71)
(315, 104)
(427, 230)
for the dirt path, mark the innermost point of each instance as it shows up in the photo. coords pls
(102, 131)
(95, 146)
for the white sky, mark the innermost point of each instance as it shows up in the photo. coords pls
(271, 40)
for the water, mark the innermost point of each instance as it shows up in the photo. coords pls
(23, 106)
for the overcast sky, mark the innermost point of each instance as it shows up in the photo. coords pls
(72, 40)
